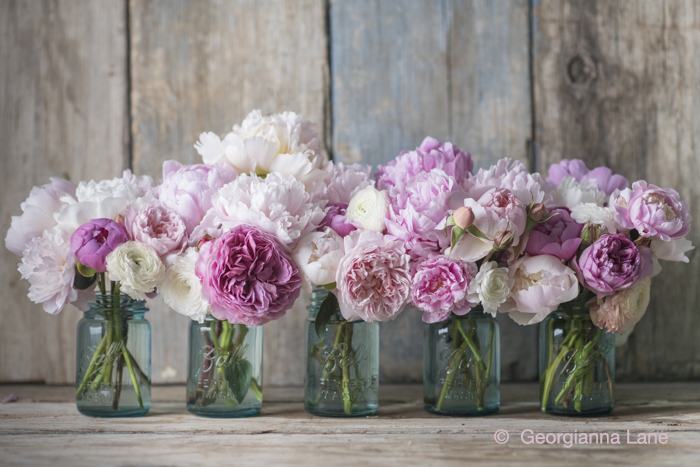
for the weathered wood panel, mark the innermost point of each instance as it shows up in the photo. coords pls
(63, 95)
(455, 70)
(202, 66)
(616, 83)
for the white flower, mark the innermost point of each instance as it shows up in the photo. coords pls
(674, 250)
(369, 208)
(285, 143)
(571, 193)
(584, 213)
(106, 199)
(38, 213)
(50, 269)
(342, 182)
(182, 289)
(137, 267)
(317, 256)
(621, 311)
(491, 287)
(540, 284)
(277, 205)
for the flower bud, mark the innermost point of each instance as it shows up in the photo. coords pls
(503, 240)
(463, 217)
(538, 213)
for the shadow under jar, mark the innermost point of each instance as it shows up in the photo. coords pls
(462, 365)
(577, 364)
(342, 367)
(113, 367)
(224, 378)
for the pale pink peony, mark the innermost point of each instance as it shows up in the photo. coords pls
(513, 176)
(621, 311)
(342, 182)
(440, 288)
(373, 278)
(576, 168)
(158, 227)
(38, 213)
(559, 236)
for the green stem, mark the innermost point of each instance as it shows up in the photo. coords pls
(325, 373)
(137, 388)
(457, 353)
(347, 400)
(578, 371)
(549, 374)
(257, 390)
(471, 345)
(91, 366)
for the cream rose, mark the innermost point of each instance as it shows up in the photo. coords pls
(369, 208)
(491, 287)
(137, 267)
(317, 255)
(182, 289)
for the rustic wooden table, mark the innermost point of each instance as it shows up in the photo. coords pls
(44, 427)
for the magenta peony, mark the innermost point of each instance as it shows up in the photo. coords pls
(613, 263)
(373, 278)
(93, 241)
(246, 277)
(159, 227)
(559, 236)
(431, 154)
(440, 288)
(337, 219)
(187, 189)
(653, 211)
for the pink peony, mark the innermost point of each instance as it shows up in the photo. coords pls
(342, 182)
(514, 177)
(188, 189)
(559, 236)
(336, 218)
(373, 278)
(613, 263)
(93, 241)
(440, 288)
(605, 179)
(158, 227)
(38, 213)
(431, 154)
(246, 277)
(653, 211)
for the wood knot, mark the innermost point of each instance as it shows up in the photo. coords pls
(582, 69)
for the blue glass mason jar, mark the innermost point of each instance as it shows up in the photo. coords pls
(342, 368)
(462, 365)
(224, 377)
(113, 367)
(577, 364)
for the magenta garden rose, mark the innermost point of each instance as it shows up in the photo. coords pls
(93, 241)
(613, 263)
(440, 287)
(247, 278)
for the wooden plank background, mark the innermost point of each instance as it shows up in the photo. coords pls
(88, 88)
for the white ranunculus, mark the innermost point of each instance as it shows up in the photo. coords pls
(182, 289)
(571, 193)
(369, 208)
(491, 287)
(137, 267)
(584, 213)
(317, 255)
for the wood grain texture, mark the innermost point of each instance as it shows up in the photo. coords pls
(202, 66)
(63, 95)
(50, 433)
(617, 83)
(455, 70)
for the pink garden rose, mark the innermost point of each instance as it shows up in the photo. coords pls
(559, 236)
(246, 277)
(653, 211)
(159, 227)
(605, 179)
(92, 242)
(440, 288)
(613, 263)
(373, 279)
(431, 154)
(188, 189)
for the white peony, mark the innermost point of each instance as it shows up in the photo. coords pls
(50, 269)
(369, 208)
(491, 287)
(317, 256)
(342, 182)
(182, 289)
(571, 193)
(277, 204)
(540, 284)
(285, 143)
(137, 267)
(675, 250)
(583, 213)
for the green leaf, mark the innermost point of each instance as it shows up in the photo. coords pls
(457, 234)
(81, 282)
(475, 232)
(238, 375)
(85, 270)
(325, 313)
(450, 221)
